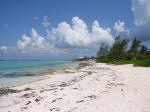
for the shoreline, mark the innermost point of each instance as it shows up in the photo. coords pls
(44, 74)
(88, 88)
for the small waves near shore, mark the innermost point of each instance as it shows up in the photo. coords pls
(18, 72)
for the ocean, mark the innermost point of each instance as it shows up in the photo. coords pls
(13, 72)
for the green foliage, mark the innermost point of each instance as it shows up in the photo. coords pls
(103, 51)
(118, 51)
(143, 61)
(115, 61)
(133, 52)
(140, 61)
(85, 58)
(144, 50)
(138, 54)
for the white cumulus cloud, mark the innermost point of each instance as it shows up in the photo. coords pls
(63, 39)
(3, 48)
(33, 43)
(77, 34)
(45, 22)
(141, 11)
(119, 26)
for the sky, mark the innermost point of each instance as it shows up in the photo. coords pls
(67, 29)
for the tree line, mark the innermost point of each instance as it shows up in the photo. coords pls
(120, 52)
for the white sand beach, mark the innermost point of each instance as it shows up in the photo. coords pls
(94, 88)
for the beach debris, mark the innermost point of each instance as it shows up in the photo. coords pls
(48, 89)
(52, 85)
(38, 99)
(84, 64)
(56, 100)
(28, 95)
(72, 109)
(92, 97)
(120, 84)
(56, 109)
(30, 74)
(28, 103)
(16, 102)
(89, 72)
(111, 84)
(97, 79)
(6, 91)
(70, 71)
(74, 79)
(61, 88)
(23, 108)
(79, 101)
(63, 84)
(27, 89)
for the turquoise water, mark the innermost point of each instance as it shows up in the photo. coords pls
(12, 72)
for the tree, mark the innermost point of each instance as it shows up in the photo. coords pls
(134, 50)
(103, 50)
(118, 49)
(115, 48)
(122, 48)
(143, 50)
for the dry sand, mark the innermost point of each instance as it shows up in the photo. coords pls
(94, 88)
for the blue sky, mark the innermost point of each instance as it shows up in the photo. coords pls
(43, 22)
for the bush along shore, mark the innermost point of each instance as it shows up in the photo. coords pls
(120, 53)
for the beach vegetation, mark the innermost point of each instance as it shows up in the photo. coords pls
(137, 54)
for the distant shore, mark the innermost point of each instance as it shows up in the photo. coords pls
(90, 87)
